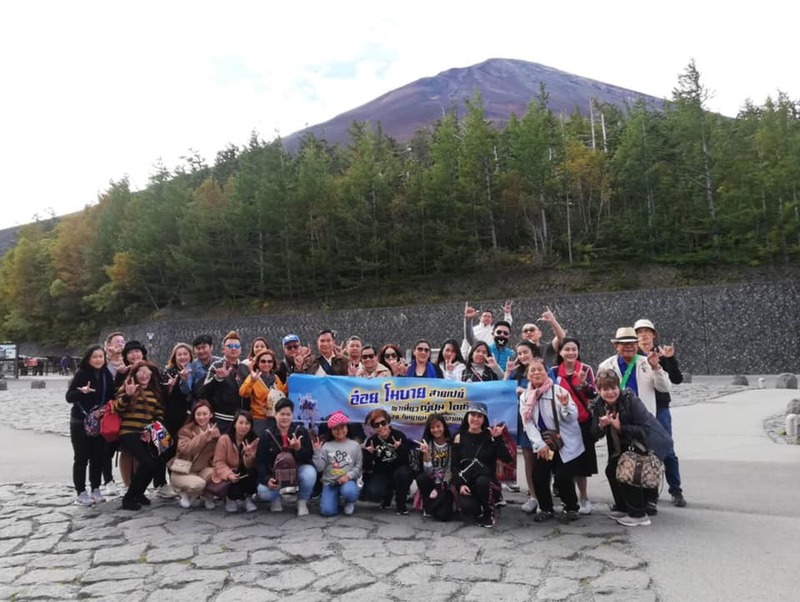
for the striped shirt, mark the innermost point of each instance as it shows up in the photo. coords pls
(138, 411)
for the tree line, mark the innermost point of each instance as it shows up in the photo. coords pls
(675, 184)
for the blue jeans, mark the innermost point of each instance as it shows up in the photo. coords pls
(671, 465)
(306, 477)
(329, 500)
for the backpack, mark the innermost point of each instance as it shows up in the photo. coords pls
(284, 469)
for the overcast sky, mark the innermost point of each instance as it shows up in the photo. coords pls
(95, 91)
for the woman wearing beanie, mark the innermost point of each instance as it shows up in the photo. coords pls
(339, 461)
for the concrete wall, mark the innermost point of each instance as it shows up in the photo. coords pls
(748, 328)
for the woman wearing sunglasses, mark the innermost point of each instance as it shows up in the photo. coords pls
(393, 358)
(422, 366)
(263, 387)
(387, 473)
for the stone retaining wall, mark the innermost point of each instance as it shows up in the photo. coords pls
(747, 328)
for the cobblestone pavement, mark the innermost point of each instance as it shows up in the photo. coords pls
(50, 548)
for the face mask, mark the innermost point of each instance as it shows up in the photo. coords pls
(500, 341)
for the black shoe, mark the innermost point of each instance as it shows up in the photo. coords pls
(678, 500)
(143, 500)
(651, 509)
(401, 511)
(543, 517)
(130, 504)
(487, 520)
(385, 505)
(569, 515)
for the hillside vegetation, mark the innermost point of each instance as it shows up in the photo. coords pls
(576, 204)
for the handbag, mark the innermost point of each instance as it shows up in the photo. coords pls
(110, 423)
(640, 467)
(180, 466)
(218, 489)
(91, 421)
(507, 471)
(552, 438)
(471, 468)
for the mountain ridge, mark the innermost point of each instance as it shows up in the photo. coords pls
(507, 86)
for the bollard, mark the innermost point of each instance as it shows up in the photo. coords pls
(791, 426)
(3, 385)
(760, 382)
(38, 384)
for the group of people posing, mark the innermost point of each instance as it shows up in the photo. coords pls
(224, 428)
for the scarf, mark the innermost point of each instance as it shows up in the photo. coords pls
(532, 398)
(430, 371)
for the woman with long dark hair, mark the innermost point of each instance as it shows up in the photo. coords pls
(235, 463)
(139, 402)
(481, 366)
(450, 360)
(435, 479)
(577, 379)
(88, 391)
(197, 442)
(421, 365)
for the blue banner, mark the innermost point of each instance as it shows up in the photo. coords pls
(408, 400)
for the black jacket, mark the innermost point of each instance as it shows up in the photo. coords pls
(269, 448)
(82, 403)
(481, 446)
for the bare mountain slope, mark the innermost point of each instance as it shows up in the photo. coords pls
(507, 86)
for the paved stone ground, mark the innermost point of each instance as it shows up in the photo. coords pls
(50, 548)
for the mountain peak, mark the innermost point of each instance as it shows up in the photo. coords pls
(507, 86)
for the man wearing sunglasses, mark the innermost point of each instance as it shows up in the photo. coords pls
(483, 330)
(224, 378)
(292, 358)
(501, 333)
(370, 366)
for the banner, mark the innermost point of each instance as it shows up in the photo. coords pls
(408, 400)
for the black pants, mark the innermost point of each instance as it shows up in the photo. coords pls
(563, 476)
(86, 451)
(484, 493)
(244, 487)
(109, 451)
(382, 486)
(440, 508)
(627, 498)
(133, 444)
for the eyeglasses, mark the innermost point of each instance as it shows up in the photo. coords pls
(266, 360)
(292, 346)
(367, 356)
(379, 424)
(389, 354)
(233, 345)
(502, 333)
(424, 349)
(528, 330)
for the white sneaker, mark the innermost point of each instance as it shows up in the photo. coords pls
(302, 507)
(185, 502)
(585, 507)
(249, 505)
(629, 521)
(208, 501)
(349, 508)
(97, 496)
(231, 505)
(276, 506)
(84, 499)
(110, 489)
(166, 492)
(530, 505)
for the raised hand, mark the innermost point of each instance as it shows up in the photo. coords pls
(667, 350)
(316, 443)
(496, 430)
(653, 360)
(547, 316)
(338, 351)
(507, 306)
(368, 448)
(87, 388)
(396, 443)
(131, 386)
(563, 397)
(469, 312)
(423, 447)
(223, 370)
(294, 441)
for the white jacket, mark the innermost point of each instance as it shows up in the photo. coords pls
(567, 422)
(647, 380)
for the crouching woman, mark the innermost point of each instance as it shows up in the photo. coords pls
(475, 451)
(623, 419)
(197, 441)
(340, 462)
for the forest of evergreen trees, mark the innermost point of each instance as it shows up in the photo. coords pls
(674, 186)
